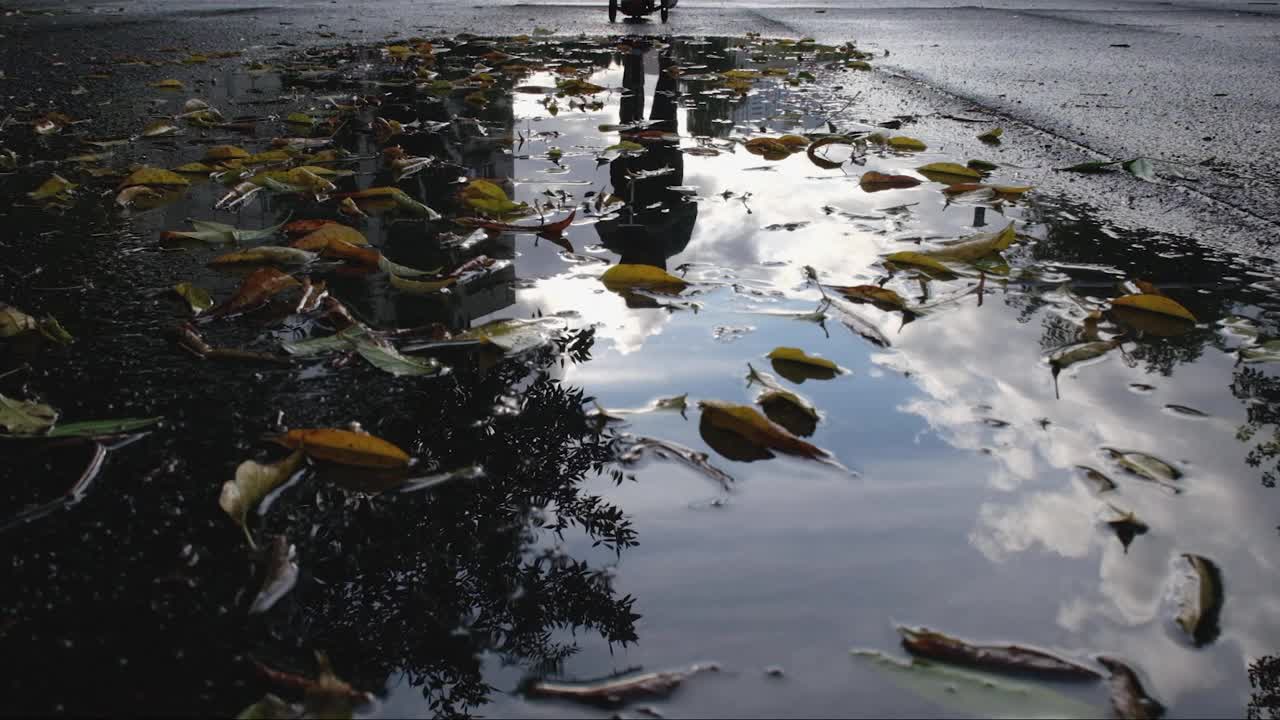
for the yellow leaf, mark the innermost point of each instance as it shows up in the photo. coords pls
(168, 84)
(794, 142)
(977, 246)
(992, 135)
(269, 156)
(299, 119)
(346, 448)
(949, 173)
(747, 422)
(266, 254)
(197, 297)
(874, 294)
(1154, 304)
(908, 257)
(253, 482)
(797, 355)
(631, 275)
(54, 186)
(902, 142)
(488, 198)
(319, 239)
(156, 128)
(225, 152)
(194, 168)
(153, 176)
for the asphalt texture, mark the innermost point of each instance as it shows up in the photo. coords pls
(1194, 85)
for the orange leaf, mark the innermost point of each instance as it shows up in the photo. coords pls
(320, 238)
(875, 182)
(305, 227)
(255, 290)
(346, 448)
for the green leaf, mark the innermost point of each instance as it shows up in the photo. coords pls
(388, 359)
(94, 428)
(26, 417)
(973, 693)
(1140, 168)
(197, 297)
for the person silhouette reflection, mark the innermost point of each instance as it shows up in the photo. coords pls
(657, 221)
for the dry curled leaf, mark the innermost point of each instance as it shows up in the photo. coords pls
(253, 481)
(255, 290)
(937, 646)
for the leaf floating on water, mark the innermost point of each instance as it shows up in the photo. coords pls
(883, 298)
(820, 161)
(1268, 351)
(1128, 699)
(26, 417)
(617, 691)
(385, 357)
(1200, 601)
(266, 254)
(489, 199)
(975, 247)
(872, 181)
(949, 173)
(153, 176)
(756, 429)
(1147, 467)
(255, 290)
(973, 693)
(1100, 482)
(1140, 168)
(55, 187)
(796, 355)
(908, 257)
(14, 322)
(197, 297)
(1160, 304)
(346, 448)
(992, 135)
(937, 646)
(280, 574)
(253, 482)
(169, 84)
(628, 276)
(634, 447)
(225, 152)
(907, 144)
(1127, 527)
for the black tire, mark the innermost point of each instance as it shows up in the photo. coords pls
(613, 10)
(665, 9)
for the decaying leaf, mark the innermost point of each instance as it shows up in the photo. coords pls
(976, 247)
(489, 199)
(756, 429)
(635, 447)
(992, 135)
(55, 187)
(949, 173)
(1200, 600)
(26, 417)
(908, 144)
(346, 448)
(14, 322)
(916, 259)
(873, 181)
(1147, 467)
(937, 646)
(1128, 699)
(881, 297)
(1152, 303)
(225, 152)
(255, 290)
(197, 297)
(617, 691)
(635, 276)
(253, 482)
(973, 693)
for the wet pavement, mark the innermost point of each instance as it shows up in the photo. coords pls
(1005, 452)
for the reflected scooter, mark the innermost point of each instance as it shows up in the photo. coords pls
(639, 8)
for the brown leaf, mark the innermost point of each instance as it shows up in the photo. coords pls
(873, 181)
(256, 289)
(619, 690)
(936, 646)
(747, 422)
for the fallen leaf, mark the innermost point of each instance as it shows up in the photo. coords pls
(975, 694)
(54, 187)
(796, 355)
(153, 176)
(26, 417)
(949, 173)
(225, 152)
(131, 195)
(167, 84)
(1201, 601)
(346, 448)
(883, 298)
(938, 646)
(992, 135)
(514, 335)
(908, 257)
(269, 707)
(1091, 167)
(488, 198)
(195, 168)
(1008, 191)
(14, 322)
(1152, 303)
(907, 144)
(197, 297)
(306, 227)
(619, 690)
(1127, 527)
(385, 357)
(748, 423)
(266, 254)
(255, 290)
(422, 287)
(1268, 351)
(628, 276)
(873, 181)
(101, 428)
(1147, 467)
(253, 482)
(635, 447)
(1140, 168)
(769, 148)
(1128, 699)
(976, 247)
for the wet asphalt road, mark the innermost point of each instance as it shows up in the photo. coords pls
(1195, 83)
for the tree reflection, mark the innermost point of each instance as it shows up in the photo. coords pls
(1264, 678)
(148, 581)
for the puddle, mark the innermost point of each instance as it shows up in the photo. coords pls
(943, 486)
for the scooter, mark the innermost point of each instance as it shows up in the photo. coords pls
(639, 8)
